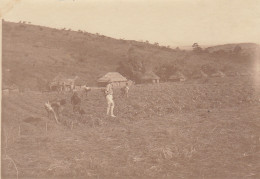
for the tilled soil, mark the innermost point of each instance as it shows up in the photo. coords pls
(174, 130)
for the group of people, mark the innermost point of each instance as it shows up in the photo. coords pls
(54, 108)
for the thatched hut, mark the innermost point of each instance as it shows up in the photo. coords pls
(79, 83)
(116, 78)
(65, 82)
(218, 74)
(177, 77)
(7, 89)
(149, 77)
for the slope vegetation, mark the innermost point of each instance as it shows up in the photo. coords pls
(34, 55)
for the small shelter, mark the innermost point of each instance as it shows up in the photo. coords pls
(130, 82)
(149, 77)
(79, 83)
(198, 74)
(244, 74)
(177, 77)
(116, 78)
(63, 82)
(218, 74)
(203, 74)
(7, 89)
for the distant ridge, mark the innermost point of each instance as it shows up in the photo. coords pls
(231, 46)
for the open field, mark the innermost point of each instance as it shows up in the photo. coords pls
(174, 130)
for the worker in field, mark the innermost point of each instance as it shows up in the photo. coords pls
(86, 90)
(75, 101)
(55, 107)
(50, 111)
(58, 106)
(63, 87)
(124, 90)
(109, 98)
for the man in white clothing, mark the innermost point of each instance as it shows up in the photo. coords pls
(124, 90)
(86, 90)
(109, 98)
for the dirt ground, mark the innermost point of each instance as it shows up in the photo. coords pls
(175, 130)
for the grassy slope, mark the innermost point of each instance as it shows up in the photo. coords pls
(54, 51)
(37, 54)
(176, 130)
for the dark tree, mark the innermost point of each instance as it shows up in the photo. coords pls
(196, 48)
(166, 70)
(134, 65)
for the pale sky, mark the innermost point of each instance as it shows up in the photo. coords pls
(169, 22)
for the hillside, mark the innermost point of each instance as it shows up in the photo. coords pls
(34, 55)
(33, 52)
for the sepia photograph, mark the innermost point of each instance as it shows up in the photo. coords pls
(130, 89)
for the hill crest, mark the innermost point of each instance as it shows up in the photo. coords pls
(34, 55)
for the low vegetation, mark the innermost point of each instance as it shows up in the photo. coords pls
(175, 130)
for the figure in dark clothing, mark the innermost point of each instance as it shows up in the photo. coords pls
(75, 101)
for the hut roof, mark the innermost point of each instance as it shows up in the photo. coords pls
(112, 76)
(150, 76)
(80, 82)
(60, 78)
(218, 74)
(203, 73)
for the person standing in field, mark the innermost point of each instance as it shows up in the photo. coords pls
(75, 101)
(86, 90)
(124, 90)
(109, 98)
